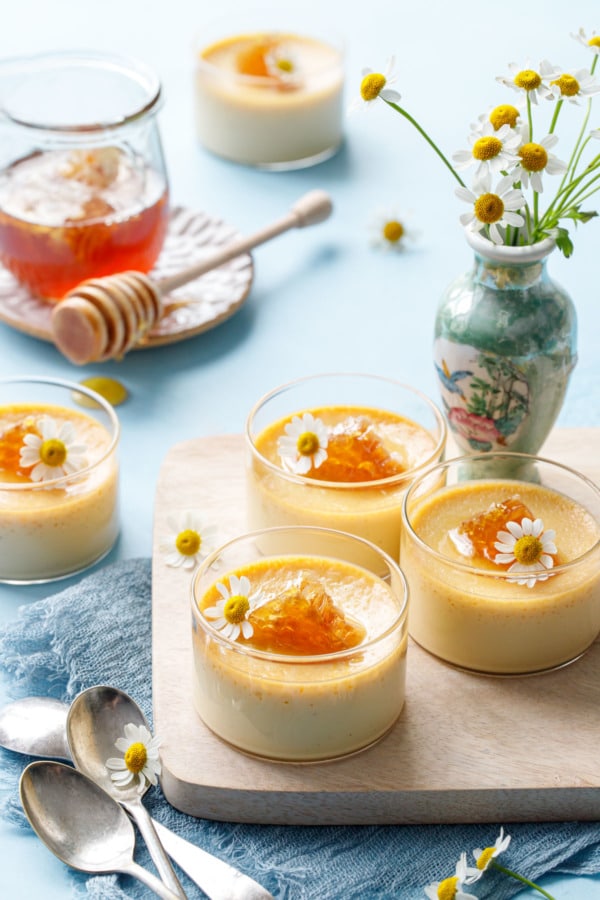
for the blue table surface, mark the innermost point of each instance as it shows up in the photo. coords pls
(323, 299)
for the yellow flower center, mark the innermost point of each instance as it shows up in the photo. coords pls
(286, 65)
(188, 542)
(528, 80)
(568, 84)
(393, 231)
(528, 550)
(489, 208)
(484, 858)
(308, 443)
(533, 157)
(136, 757)
(53, 452)
(505, 114)
(236, 608)
(372, 85)
(594, 41)
(447, 888)
(487, 147)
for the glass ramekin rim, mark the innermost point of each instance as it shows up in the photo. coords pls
(58, 483)
(334, 39)
(288, 658)
(392, 480)
(129, 65)
(501, 575)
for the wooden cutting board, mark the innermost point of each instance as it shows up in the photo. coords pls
(466, 748)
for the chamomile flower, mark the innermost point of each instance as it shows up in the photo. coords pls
(388, 231)
(492, 150)
(53, 451)
(304, 444)
(528, 548)
(483, 858)
(504, 114)
(532, 80)
(535, 159)
(375, 85)
(491, 210)
(190, 540)
(573, 87)
(140, 758)
(234, 608)
(451, 888)
(592, 42)
(282, 64)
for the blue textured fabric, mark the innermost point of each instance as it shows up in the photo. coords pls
(99, 631)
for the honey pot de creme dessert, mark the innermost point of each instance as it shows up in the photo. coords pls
(300, 657)
(270, 98)
(342, 466)
(58, 488)
(504, 574)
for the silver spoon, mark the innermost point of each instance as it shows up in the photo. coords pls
(97, 718)
(81, 824)
(37, 726)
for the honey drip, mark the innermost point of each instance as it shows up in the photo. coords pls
(304, 621)
(11, 443)
(252, 60)
(357, 454)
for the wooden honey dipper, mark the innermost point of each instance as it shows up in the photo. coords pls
(103, 318)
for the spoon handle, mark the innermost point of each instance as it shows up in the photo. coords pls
(146, 826)
(216, 878)
(151, 881)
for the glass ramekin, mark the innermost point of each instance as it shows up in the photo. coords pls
(263, 120)
(54, 528)
(293, 708)
(477, 616)
(369, 509)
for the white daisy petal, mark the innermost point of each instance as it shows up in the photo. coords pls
(527, 550)
(48, 462)
(142, 765)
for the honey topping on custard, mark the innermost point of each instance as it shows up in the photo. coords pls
(304, 621)
(11, 444)
(477, 536)
(252, 59)
(357, 454)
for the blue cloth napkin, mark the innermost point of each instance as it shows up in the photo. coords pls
(99, 632)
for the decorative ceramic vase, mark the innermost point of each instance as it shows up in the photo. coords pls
(505, 347)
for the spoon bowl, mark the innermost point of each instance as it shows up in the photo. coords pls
(96, 719)
(80, 823)
(37, 726)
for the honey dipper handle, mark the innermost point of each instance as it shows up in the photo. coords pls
(312, 208)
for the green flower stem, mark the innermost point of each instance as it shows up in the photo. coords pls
(557, 110)
(572, 194)
(529, 117)
(523, 880)
(427, 138)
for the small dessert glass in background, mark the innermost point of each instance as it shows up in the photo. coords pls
(83, 184)
(377, 426)
(537, 606)
(58, 479)
(278, 690)
(268, 91)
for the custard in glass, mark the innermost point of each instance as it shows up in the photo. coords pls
(314, 669)
(364, 456)
(58, 489)
(504, 573)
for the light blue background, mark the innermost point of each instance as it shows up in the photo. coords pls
(323, 299)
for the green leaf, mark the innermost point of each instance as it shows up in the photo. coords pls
(579, 215)
(564, 242)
